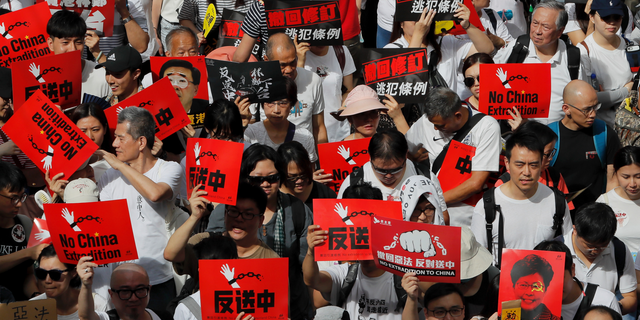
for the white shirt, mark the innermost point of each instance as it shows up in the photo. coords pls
(105, 316)
(257, 133)
(147, 218)
(94, 81)
(99, 305)
(628, 216)
(602, 297)
(398, 43)
(517, 25)
(386, 11)
(183, 313)
(573, 25)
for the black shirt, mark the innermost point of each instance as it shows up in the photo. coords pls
(196, 115)
(14, 239)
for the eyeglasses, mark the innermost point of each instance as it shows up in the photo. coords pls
(302, 177)
(429, 210)
(258, 180)
(470, 81)
(178, 80)
(441, 313)
(551, 153)
(234, 213)
(590, 248)
(126, 294)
(282, 103)
(16, 199)
(385, 172)
(55, 274)
(536, 286)
(586, 111)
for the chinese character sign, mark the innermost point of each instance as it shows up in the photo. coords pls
(456, 167)
(162, 102)
(59, 77)
(411, 10)
(231, 33)
(48, 137)
(98, 14)
(342, 158)
(228, 287)
(431, 251)
(316, 22)
(216, 165)
(39, 233)
(259, 81)
(101, 230)
(401, 73)
(535, 277)
(29, 310)
(23, 34)
(157, 64)
(349, 225)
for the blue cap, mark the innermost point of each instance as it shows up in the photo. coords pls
(609, 7)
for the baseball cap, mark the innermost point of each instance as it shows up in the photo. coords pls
(609, 7)
(5, 82)
(122, 58)
(80, 191)
(361, 99)
(474, 258)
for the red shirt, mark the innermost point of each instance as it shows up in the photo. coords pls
(349, 17)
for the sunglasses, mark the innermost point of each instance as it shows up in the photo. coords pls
(385, 172)
(470, 81)
(257, 180)
(54, 274)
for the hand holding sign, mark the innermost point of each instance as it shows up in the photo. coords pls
(463, 13)
(423, 25)
(85, 270)
(410, 285)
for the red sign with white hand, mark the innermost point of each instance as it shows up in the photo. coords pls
(341, 158)
(39, 233)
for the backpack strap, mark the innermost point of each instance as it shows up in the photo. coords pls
(113, 314)
(400, 293)
(193, 306)
(573, 61)
(459, 136)
(490, 211)
(505, 177)
(561, 207)
(554, 176)
(600, 140)
(291, 131)
(492, 18)
(520, 49)
(587, 299)
(555, 126)
(298, 216)
(584, 44)
(347, 284)
(620, 252)
(342, 60)
(625, 21)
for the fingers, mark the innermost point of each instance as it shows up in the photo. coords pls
(197, 192)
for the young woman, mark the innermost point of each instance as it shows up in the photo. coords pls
(91, 120)
(362, 110)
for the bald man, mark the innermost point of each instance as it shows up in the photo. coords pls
(586, 146)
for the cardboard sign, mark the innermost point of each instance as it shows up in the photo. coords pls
(342, 158)
(218, 171)
(431, 251)
(36, 309)
(457, 167)
(349, 225)
(48, 137)
(162, 101)
(543, 286)
(209, 19)
(231, 32)
(317, 22)
(411, 10)
(39, 233)
(23, 34)
(196, 62)
(101, 230)
(228, 287)
(401, 73)
(58, 76)
(526, 86)
(259, 81)
(98, 14)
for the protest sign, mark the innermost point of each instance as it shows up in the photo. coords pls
(429, 250)
(98, 14)
(48, 137)
(101, 230)
(411, 10)
(231, 32)
(161, 100)
(228, 287)
(44, 309)
(39, 233)
(197, 62)
(401, 73)
(526, 86)
(23, 34)
(456, 167)
(535, 277)
(316, 22)
(349, 226)
(342, 158)
(259, 81)
(58, 76)
(216, 165)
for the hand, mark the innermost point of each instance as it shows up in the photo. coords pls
(92, 41)
(497, 41)
(301, 50)
(160, 48)
(395, 110)
(196, 150)
(629, 86)
(45, 234)
(245, 112)
(9, 148)
(322, 178)
(121, 7)
(36, 250)
(410, 285)
(56, 184)
(111, 159)
(2, 31)
(463, 13)
(346, 153)
(418, 241)
(587, 8)
(502, 75)
(188, 131)
(421, 155)
(201, 38)
(248, 317)
(85, 270)
(315, 237)
(343, 212)
(157, 146)
(197, 203)
(47, 160)
(229, 274)
(35, 71)
(69, 218)
(516, 119)
(423, 25)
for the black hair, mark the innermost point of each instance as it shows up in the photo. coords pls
(388, 145)
(596, 223)
(478, 57)
(216, 246)
(293, 151)
(50, 252)
(604, 310)
(543, 132)
(66, 24)
(491, 301)
(291, 89)
(443, 102)
(253, 193)
(4, 11)
(557, 246)
(256, 153)
(532, 264)
(11, 178)
(363, 190)
(397, 31)
(222, 118)
(527, 140)
(626, 156)
(91, 109)
(195, 73)
(440, 290)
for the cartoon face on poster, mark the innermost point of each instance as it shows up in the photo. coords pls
(536, 278)
(188, 75)
(342, 158)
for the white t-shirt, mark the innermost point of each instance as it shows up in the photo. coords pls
(377, 295)
(328, 69)
(398, 43)
(99, 305)
(386, 11)
(183, 313)
(602, 297)
(517, 25)
(257, 133)
(526, 222)
(94, 81)
(628, 215)
(147, 218)
(485, 136)
(105, 316)
(573, 25)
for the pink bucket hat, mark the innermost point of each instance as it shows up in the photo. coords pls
(361, 99)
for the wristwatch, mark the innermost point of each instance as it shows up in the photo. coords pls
(125, 20)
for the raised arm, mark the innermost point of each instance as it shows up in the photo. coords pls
(313, 277)
(85, 299)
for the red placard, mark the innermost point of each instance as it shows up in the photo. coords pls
(544, 285)
(218, 171)
(228, 287)
(48, 137)
(162, 101)
(349, 226)
(23, 34)
(526, 86)
(98, 229)
(39, 233)
(58, 76)
(197, 62)
(98, 14)
(456, 167)
(431, 251)
(341, 158)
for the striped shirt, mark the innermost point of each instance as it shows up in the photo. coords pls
(195, 10)
(255, 23)
(24, 161)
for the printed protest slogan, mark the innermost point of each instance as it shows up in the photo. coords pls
(316, 22)
(23, 34)
(197, 62)
(431, 251)
(259, 81)
(401, 73)
(411, 10)
(48, 137)
(161, 100)
(22, 310)
(216, 165)
(58, 76)
(87, 229)
(457, 168)
(525, 86)
(228, 287)
(98, 14)
(349, 225)
(231, 31)
(39, 233)
(342, 158)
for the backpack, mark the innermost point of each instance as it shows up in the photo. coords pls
(599, 140)
(350, 280)
(587, 299)
(521, 50)
(459, 136)
(490, 209)
(627, 122)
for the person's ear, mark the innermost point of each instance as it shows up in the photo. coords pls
(136, 74)
(142, 143)
(50, 43)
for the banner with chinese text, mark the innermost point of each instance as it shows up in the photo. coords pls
(259, 81)
(456, 167)
(315, 22)
(23, 34)
(98, 14)
(342, 158)
(401, 73)
(44, 309)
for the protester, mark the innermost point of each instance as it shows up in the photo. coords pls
(424, 204)
(471, 71)
(440, 300)
(362, 110)
(122, 73)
